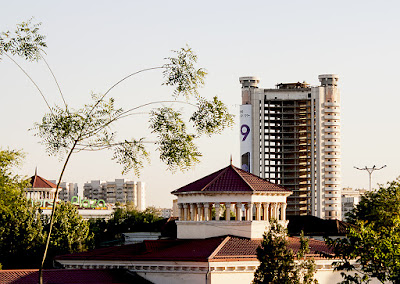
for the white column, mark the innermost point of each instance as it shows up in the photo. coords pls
(192, 212)
(199, 211)
(238, 211)
(228, 211)
(273, 205)
(180, 211)
(185, 212)
(258, 211)
(283, 208)
(206, 211)
(249, 211)
(266, 211)
(276, 211)
(217, 210)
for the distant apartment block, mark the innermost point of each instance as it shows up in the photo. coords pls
(119, 190)
(290, 135)
(350, 198)
(166, 212)
(67, 190)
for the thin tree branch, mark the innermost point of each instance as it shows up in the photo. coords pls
(120, 81)
(151, 103)
(55, 79)
(37, 87)
(53, 213)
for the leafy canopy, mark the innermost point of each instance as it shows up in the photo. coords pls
(124, 219)
(23, 229)
(25, 41)
(20, 227)
(279, 264)
(372, 247)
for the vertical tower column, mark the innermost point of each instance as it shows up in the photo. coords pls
(283, 209)
(185, 212)
(206, 211)
(228, 211)
(238, 211)
(276, 211)
(266, 211)
(249, 211)
(217, 210)
(199, 216)
(258, 211)
(180, 211)
(273, 205)
(192, 211)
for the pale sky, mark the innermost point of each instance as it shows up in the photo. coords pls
(93, 44)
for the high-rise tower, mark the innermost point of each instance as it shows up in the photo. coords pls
(290, 135)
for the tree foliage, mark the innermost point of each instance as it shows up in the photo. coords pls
(23, 229)
(20, 226)
(25, 41)
(372, 247)
(71, 233)
(279, 264)
(124, 219)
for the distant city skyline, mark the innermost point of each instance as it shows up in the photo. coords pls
(92, 45)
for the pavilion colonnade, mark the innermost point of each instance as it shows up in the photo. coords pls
(258, 211)
(40, 194)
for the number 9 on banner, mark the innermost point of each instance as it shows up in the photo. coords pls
(245, 130)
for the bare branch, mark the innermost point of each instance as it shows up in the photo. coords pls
(30, 78)
(55, 79)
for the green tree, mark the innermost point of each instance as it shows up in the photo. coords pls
(20, 226)
(124, 219)
(372, 247)
(65, 131)
(279, 264)
(70, 232)
(23, 229)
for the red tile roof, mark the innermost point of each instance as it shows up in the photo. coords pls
(242, 248)
(230, 179)
(202, 250)
(60, 276)
(157, 250)
(39, 182)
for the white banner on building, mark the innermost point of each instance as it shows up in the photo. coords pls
(246, 143)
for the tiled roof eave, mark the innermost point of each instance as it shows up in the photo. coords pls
(234, 258)
(258, 192)
(213, 192)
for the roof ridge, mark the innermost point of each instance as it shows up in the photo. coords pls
(234, 168)
(219, 247)
(263, 179)
(214, 179)
(48, 182)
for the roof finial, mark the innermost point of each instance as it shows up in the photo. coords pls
(231, 160)
(35, 171)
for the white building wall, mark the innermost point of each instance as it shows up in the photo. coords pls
(207, 229)
(214, 272)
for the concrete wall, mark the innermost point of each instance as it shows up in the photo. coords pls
(174, 278)
(207, 229)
